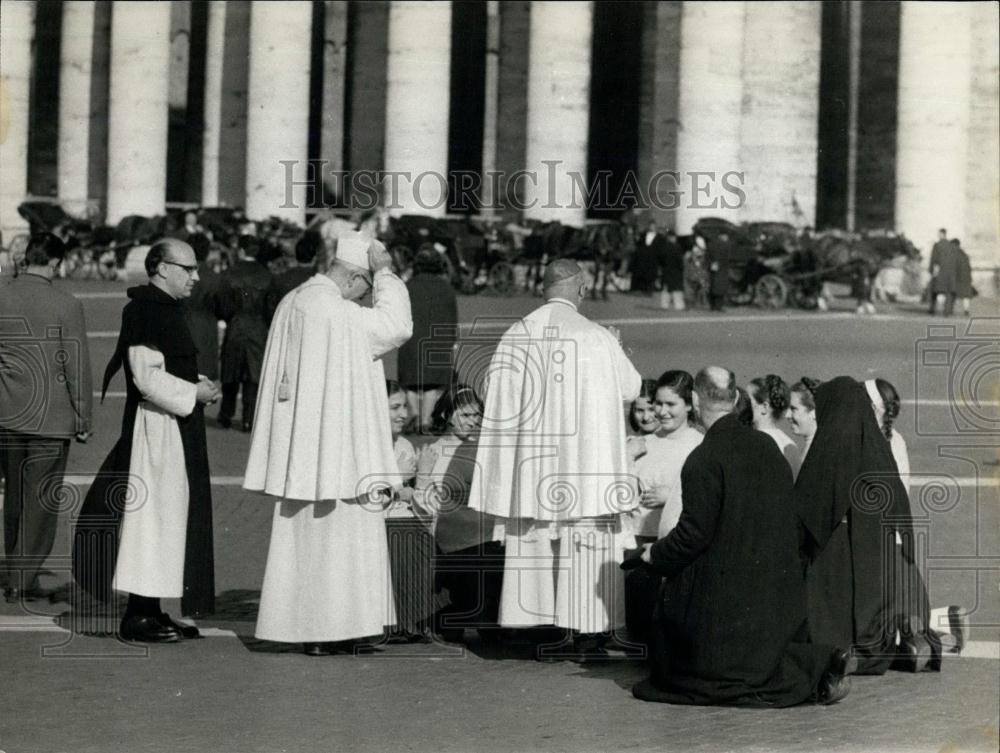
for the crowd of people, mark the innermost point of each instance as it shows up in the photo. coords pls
(672, 517)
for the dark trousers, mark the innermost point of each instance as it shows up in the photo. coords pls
(474, 578)
(33, 467)
(229, 392)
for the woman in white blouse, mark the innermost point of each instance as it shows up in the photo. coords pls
(769, 400)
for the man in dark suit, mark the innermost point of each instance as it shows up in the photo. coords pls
(730, 625)
(943, 267)
(287, 281)
(241, 305)
(202, 309)
(717, 257)
(45, 400)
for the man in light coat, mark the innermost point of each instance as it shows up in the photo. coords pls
(322, 445)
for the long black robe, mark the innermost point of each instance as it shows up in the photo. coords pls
(242, 291)
(851, 503)
(730, 625)
(426, 359)
(154, 319)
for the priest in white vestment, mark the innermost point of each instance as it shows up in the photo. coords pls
(322, 446)
(552, 463)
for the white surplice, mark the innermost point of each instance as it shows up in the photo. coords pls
(322, 445)
(552, 467)
(154, 523)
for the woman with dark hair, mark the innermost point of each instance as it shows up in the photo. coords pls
(641, 415)
(658, 469)
(426, 360)
(464, 536)
(802, 410)
(851, 503)
(770, 398)
(411, 545)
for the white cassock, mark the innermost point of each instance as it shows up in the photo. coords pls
(552, 466)
(154, 523)
(321, 443)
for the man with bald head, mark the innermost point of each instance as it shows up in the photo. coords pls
(160, 544)
(730, 622)
(551, 466)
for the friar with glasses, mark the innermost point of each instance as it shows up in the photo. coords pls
(145, 527)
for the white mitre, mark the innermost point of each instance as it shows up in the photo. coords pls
(352, 248)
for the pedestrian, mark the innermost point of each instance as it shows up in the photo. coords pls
(552, 462)
(159, 464)
(202, 309)
(851, 503)
(322, 448)
(426, 360)
(963, 290)
(241, 306)
(647, 260)
(672, 274)
(469, 564)
(306, 249)
(943, 270)
(770, 399)
(730, 624)
(45, 402)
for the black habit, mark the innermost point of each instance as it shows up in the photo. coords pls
(426, 359)
(852, 503)
(153, 319)
(730, 623)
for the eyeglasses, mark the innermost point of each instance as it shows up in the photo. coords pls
(189, 268)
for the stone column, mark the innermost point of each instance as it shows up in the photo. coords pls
(512, 97)
(778, 135)
(559, 109)
(982, 214)
(74, 105)
(278, 109)
(233, 109)
(16, 33)
(659, 91)
(710, 105)
(490, 112)
(334, 85)
(137, 129)
(932, 144)
(417, 106)
(214, 57)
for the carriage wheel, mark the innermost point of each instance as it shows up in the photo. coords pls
(804, 300)
(501, 278)
(771, 292)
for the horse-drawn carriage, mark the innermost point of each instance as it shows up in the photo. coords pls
(771, 265)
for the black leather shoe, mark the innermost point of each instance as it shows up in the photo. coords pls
(248, 426)
(836, 683)
(147, 630)
(224, 423)
(913, 654)
(189, 632)
(316, 649)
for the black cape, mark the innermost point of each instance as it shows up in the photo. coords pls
(851, 503)
(730, 625)
(426, 359)
(154, 319)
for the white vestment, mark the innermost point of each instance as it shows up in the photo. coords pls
(552, 467)
(322, 445)
(154, 523)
